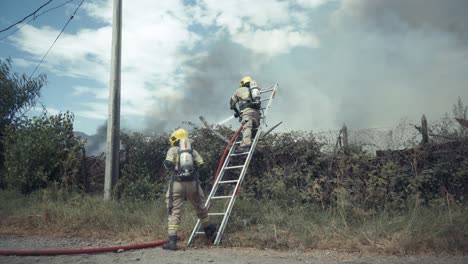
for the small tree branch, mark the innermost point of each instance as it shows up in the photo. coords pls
(445, 137)
(462, 122)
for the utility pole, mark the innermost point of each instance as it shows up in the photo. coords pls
(113, 123)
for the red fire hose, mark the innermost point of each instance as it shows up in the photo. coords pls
(226, 150)
(53, 252)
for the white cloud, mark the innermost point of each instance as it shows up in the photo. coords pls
(268, 27)
(98, 93)
(312, 3)
(22, 62)
(83, 55)
(94, 110)
(101, 10)
(233, 14)
(276, 41)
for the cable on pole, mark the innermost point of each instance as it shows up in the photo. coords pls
(58, 36)
(32, 14)
(34, 18)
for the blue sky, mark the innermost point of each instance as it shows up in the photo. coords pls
(368, 63)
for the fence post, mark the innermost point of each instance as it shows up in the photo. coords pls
(84, 171)
(345, 137)
(425, 137)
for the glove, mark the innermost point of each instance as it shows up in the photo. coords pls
(168, 165)
(236, 114)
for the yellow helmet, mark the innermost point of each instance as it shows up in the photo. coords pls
(245, 80)
(177, 135)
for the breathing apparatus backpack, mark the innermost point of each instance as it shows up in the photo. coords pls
(254, 94)
(186, 167)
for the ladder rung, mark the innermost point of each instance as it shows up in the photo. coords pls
(266, 91)
(234, 167)
(229, 181)
(239, 154)
(238, 142)
(221, 197)
(266, 99)
(216, 213)
(199, 233)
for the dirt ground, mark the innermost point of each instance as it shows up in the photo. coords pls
(195, 255)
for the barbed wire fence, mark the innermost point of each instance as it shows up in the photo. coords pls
(405, 135)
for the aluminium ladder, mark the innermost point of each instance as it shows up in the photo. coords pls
(235, 183)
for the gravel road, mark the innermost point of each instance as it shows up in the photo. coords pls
(195, 255)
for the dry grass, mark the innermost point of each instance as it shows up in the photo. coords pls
(260, 224)
(85, 216)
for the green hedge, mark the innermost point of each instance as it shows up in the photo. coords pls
(291, 168)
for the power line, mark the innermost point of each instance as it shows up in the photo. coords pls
(33, 18)
(55, 7)
(32, 14)
(63, 29)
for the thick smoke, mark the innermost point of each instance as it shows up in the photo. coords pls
(397, 59)
(206, 91)
(447, 16)
(96, 144)
(379, 61)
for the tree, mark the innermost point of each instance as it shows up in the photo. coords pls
(18, 94)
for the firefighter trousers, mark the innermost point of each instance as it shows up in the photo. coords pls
(250, 121)
(186, 190)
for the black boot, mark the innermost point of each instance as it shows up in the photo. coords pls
(242, 148)
(210, 231)
(171, 244)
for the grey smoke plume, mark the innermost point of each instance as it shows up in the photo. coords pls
(401, 58)
(207, 91)
(96, 144)
(447, 16)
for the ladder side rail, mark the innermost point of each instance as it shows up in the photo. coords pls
(220, 175)
(238, 184)
(272, 95)
(195, 229)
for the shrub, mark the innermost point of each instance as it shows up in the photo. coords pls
(41, 151)
(142, 175)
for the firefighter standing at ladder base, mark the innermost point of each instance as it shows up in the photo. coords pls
(181, 161)
(248, 99)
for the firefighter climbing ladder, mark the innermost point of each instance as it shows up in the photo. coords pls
(235, 183)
